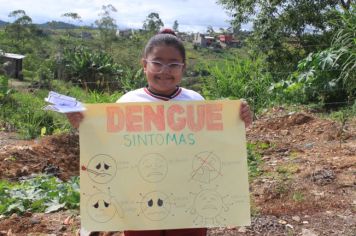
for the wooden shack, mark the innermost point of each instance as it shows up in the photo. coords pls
(11, 64)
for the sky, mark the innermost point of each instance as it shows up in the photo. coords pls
(192, 15)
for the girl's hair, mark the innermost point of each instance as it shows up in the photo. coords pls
(165, 37)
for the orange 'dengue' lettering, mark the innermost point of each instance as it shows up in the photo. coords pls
(176, 117)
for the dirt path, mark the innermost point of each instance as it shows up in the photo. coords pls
(307, 185)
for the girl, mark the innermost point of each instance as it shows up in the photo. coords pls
(164, 62)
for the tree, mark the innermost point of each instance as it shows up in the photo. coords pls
(285, 31)
(210, 30)
(107, 25)
(175, 26)
(22, 26)
(152, 23)
(72, 16)
(328, 76)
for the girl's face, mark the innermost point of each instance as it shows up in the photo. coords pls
(165, 81)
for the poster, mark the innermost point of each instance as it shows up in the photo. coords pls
(165, 165)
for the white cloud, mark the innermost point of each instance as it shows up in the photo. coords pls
(190, 14)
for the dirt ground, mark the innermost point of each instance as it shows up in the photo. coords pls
(307, 185)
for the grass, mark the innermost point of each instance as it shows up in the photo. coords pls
(23, 112)
(287, 170)
(298, 197)
(253, 160)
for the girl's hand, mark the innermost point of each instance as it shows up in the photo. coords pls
(75, 118)
(246, 114)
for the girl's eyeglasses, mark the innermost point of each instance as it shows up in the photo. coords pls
(157, 67)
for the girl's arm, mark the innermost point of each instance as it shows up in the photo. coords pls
(75, 118)
(246, 114)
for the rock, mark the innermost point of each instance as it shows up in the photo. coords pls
(34, 221)
(316, 193)
(51, 169)
(309, 145)
(242, 229)
(69, 220)
(285, 132)
(283, 222)
(289, 226)
(296, 218)
(9, 233)
(323, 176)
(308, 232)
(27, 214)
(301, 118)
(20, 172)
(13, 216)
(273, 163)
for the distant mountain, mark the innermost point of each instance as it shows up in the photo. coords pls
(3, 23)
(56, 25)
(50, 25)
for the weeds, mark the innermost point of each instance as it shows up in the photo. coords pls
(23, 111)
(4, 86)
(253, 160)
(286, 171)
(298, 197)
(238, 78)
(343, 116)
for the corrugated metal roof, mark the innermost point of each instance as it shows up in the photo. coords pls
(12, 55)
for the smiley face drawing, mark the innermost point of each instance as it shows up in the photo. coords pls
(155, 206)
(101, 168)
(153, 167)
(101, 208)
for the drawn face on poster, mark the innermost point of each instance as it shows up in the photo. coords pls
(155, 206)
(101, 168)
(153, 167)
(101, 208)
(206, 167)
(208, 203)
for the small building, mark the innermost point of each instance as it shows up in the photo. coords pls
(124, 33)
(12, 64)
(209, 40)
(185, 36)
(225, 38)
(203, 40)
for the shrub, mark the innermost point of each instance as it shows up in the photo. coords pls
(93, 70)
(239, 78)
